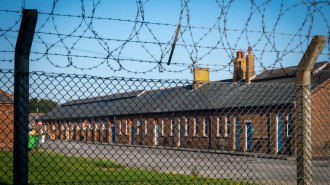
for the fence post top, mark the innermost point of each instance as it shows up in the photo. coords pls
(309, 58)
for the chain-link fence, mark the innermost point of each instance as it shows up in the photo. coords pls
(86, 129)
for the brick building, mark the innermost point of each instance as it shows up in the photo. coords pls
(6, 120)
(249, 113)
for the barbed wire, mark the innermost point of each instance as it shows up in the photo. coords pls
(264, 41)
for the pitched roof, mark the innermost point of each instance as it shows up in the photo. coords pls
(210, 96)
(136, 102)
(6, 97)
(267, 89)
(219, 95)
(319, 74)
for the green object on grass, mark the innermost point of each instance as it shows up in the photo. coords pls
(33, 141)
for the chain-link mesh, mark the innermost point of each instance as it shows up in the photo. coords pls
(86, 129)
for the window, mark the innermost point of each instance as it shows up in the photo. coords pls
(181, 129)
(45, 128)
(138, 124)
(290, 126)
(219, 125)
(172, 126)
(73, 126)
(195, 126)
(163, 127)
(227, 126)
(236, 120)
(91, 125)
(146, 127)
(120, 126)
(97, 125)
(126, 127)
(205, 124)
(187, 127)
(106, 126)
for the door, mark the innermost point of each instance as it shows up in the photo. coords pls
(279, 133)
(173, 131)
(248, 136)
(156, 134)
(105, 133)
(132, 134)
(237, 131)
(69, 131)
(180, 131)
(113, 130)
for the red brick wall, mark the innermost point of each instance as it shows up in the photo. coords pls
(263, 140)
(320, 120)
(6, 126)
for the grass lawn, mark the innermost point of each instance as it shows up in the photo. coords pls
(52, 168)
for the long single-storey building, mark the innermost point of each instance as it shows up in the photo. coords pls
(249, 113)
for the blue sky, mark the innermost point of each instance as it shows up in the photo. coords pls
(242, 20)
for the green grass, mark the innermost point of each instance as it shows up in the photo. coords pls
(49, 167)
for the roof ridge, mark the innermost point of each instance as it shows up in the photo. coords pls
(315, 71)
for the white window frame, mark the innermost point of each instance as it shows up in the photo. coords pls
(205, 126)
(120, 127)
(105, 125)
(195, 126)
(163, 126)
(172, 126)
(126, 127)
(45, 128)
(227, 125)
(287, 125)
(219, 134)
(97, 124)
(186, 127)
(91, 125)
(73, 126)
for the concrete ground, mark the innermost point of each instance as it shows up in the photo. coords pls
(209, 164)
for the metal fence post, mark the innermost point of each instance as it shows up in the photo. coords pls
(303, 114)
(21, 94)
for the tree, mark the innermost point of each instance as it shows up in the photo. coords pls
(41, 105)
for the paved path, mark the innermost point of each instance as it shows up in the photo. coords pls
(227, 166)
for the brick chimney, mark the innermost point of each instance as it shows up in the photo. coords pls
(201, 76)
(249, 66)
(239, 66)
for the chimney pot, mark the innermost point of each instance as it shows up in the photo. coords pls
(242, 54)
(237, 54)
(201, 75)
(249, 66)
